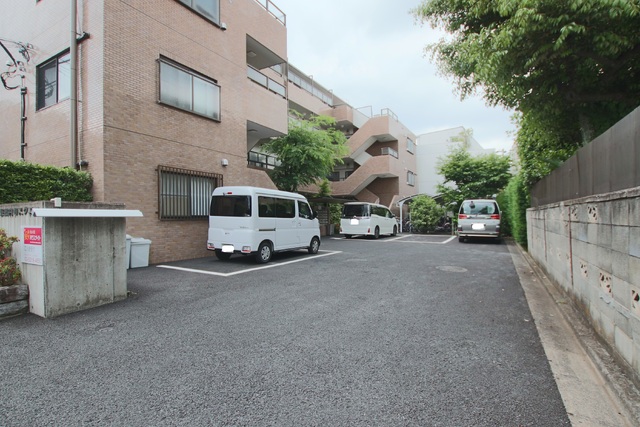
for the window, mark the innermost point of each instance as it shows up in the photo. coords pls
(334, 176)
(359, 210)
(270, 207)
(53, 81)
(210, 9)
(411, 178)
(185, 194)
(381, 211)
(227, 205)
(411, 146)
(304, 210)
(185, 89)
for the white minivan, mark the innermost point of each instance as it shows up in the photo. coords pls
(369, 219)
(260, 221)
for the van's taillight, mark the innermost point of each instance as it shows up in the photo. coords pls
(495, 216)
(462, 216)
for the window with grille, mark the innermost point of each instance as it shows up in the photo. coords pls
(185, 194)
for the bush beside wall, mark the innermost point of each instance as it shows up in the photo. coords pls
(24, 182)
(518, 201)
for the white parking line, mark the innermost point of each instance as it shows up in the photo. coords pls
(404, 236)
(214, 273)
(422, 241)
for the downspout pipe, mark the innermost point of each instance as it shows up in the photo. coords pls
(73, 105)
(23, 117)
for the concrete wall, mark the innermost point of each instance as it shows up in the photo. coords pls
(84, 262)
(590, 247)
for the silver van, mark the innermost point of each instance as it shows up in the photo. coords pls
(479, 218)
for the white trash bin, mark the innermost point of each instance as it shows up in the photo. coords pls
(139, 252)
(127, 254)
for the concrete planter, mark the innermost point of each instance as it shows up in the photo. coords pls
(14, 300)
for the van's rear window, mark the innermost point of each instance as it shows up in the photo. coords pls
(226, 205)
(349, 211)
(479, 208)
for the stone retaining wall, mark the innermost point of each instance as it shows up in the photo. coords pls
(14, 300)
(590, 248)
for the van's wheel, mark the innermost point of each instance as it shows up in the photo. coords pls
(222, 256)
(264, 253)
(314, 245)
(461, 239)
(347, 236)
(376, 233)
(395, 230)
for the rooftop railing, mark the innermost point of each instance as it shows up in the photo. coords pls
(273, 10)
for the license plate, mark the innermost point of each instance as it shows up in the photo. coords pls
(477, 226)
(355, 222)
(227, 249)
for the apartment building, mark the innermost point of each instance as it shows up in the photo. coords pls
(161, 101)
(434, 146)
(381, 165)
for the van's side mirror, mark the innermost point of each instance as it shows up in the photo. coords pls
(314, 214)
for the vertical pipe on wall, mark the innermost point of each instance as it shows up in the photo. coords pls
(73, 113)
(23, 116)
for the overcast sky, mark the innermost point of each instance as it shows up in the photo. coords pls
(371, 53)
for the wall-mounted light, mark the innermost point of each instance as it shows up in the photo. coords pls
(251, 54)
(224, 162)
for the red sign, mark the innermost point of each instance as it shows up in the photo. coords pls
(32, 236)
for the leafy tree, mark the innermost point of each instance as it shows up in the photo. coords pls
(425, 213)
(573, 61)
(307, 153)
(468, 177)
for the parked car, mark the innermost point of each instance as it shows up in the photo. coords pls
(260, 221)
(479, 218)
(369, 219)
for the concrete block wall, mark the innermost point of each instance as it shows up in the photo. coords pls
(590, 247)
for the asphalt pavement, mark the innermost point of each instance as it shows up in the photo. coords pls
(405, 331)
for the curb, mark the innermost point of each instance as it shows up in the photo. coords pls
(618, 378)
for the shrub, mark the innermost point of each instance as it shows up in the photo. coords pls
(425, 213)
(26, 182)
(505, 222)
(9, 270)
(518, 200)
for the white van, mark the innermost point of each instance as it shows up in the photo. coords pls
(369, 219)
(260, 221)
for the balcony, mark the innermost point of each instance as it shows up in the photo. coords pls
(266, 82)
(261, 160)
(273, 11)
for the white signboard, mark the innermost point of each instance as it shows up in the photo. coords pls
(32, 245)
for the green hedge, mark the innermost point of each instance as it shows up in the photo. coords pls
(26, 182)
(517, 202)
